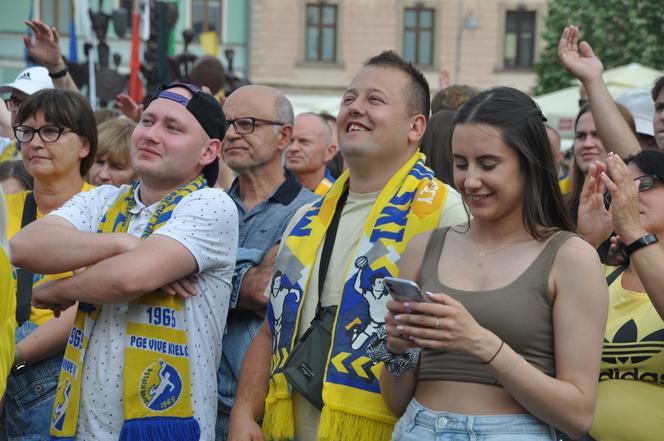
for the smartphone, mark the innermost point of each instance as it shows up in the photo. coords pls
(404, 290)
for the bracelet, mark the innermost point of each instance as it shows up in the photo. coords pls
(396, 364)
(59, 74)
(502, 342)
(641, 242)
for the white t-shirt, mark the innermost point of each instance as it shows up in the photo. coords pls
(205, 222)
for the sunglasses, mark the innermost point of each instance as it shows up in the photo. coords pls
(646, 182)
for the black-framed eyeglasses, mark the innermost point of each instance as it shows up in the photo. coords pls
(247, 124)
(12, 103)
(48, 133)
(646, 182)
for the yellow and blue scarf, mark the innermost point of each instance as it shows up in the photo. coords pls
(410, 203)
(156, 384)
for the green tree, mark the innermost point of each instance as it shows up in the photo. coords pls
(620, 32)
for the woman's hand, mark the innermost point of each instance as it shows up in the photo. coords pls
(397, 341)
(578, 58)
(593, 219)
(445, 324)
(625, 205)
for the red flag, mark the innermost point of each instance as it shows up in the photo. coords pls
(135, 85)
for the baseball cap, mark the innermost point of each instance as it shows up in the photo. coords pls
(640, 104)
(207, 111)
(31, 80)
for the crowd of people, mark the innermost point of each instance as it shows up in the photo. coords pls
(212, 267)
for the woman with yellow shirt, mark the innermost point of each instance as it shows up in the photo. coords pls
(58, 136)
(630, 395)
(7, 304)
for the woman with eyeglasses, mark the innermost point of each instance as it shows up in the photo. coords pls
(58, 136)
(630, 395)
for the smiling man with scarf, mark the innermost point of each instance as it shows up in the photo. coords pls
(141, 358)
(390, 195)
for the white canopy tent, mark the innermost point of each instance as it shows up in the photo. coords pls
(560, 107)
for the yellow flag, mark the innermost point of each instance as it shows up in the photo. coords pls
(210, 43)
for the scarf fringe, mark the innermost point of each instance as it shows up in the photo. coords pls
(278, 422)
(337, 425)
(160, 428)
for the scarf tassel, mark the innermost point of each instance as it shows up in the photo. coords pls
(278, 422)
(338, 425)
(160, 428)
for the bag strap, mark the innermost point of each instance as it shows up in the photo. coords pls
(328, 245)
(24, 277)
(614, 275)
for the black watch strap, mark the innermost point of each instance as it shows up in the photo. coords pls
(59, 74)
(641, 242)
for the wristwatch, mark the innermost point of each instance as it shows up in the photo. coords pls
(641, 242)
(59, 74)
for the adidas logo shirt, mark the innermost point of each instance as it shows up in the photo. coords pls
(630, 395)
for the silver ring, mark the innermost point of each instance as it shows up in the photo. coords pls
(438, 323)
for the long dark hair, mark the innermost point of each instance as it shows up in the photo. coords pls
(521, 125)
(65, 108)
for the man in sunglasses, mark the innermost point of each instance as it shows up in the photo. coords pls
(31, 80)
(266, 195)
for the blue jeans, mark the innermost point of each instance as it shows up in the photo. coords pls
(30, 396)
(422, 424)
(241, 328)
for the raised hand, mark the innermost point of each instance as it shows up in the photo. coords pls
(44, 46)
(625, 205)
(129, 108)
(578, 58)
(594, 220)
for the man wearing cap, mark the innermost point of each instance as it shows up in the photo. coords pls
(153, 299)
(640, 103)
(260, 127)
(27, 82)
(309, 152)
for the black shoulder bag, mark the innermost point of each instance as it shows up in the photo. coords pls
(305, 366)
(24, 277)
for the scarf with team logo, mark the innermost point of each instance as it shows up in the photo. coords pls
(410, 203)
(156, 384)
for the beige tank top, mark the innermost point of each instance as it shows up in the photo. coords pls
(519, 313)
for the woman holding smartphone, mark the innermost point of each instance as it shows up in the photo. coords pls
(511, 337)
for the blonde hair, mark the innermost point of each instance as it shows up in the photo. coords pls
(115, 139)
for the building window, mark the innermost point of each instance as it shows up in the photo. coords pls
(56, 13)
(418, 36)
(128, 6)
(321, 35)
(519, 39)
(206, 16)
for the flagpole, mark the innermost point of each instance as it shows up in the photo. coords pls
(84, 17)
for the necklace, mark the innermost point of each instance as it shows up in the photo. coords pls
(483, 252)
